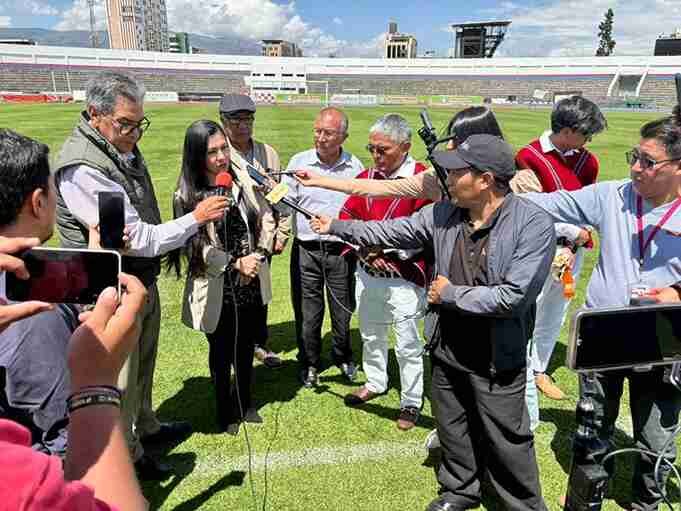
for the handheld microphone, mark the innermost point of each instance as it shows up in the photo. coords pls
(263, 181)
(223, 182)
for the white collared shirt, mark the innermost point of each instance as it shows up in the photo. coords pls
(547, 146)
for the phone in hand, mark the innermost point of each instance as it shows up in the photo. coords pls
(64, 275)
(111, 219)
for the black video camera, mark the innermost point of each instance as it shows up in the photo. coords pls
(429, 137)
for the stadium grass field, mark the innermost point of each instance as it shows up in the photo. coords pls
(312, 452)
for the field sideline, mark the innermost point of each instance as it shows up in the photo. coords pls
(312, 452)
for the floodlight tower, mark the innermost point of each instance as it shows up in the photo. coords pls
(94, 40)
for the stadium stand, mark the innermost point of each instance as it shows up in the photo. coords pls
(631, 82)
(36, 78)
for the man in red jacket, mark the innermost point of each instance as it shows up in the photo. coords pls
(390, 282)
(561, 162)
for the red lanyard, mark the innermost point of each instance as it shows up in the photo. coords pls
(643, 245)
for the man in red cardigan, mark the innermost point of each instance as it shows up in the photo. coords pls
(561, 162)
(390, 282)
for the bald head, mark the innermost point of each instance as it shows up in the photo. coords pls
(330, 131)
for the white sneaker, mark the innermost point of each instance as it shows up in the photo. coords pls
(432, 441)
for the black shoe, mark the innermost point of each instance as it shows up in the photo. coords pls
(253, 416)
(440, 504)
(149, 469)
(232, 429)
(310, 378)
(349, 370)
(169, 432)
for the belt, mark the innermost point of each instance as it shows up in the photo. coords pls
(317, 245)
(370, 270)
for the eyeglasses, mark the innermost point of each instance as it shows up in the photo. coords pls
(318, 132)
(379, 150)
(646, 162)
(235, 121)
(125, 128)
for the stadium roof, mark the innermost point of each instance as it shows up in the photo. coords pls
(481, 23)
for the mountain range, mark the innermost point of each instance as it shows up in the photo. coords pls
(81, 39)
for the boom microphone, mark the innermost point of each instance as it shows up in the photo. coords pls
(263, 181)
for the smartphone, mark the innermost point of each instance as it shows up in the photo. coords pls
(64, 275)
(625, 338)
(111, 219)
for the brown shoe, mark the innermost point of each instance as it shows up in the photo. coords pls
(409, 415)
(359, 396)
(547, 386)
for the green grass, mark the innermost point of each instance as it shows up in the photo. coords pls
(322, 455)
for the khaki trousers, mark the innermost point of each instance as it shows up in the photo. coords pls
(137, 376)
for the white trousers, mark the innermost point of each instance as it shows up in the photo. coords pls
(379, 302)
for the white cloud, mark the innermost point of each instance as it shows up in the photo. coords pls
(39, 8)
(337, 21)
(245, 20)
(5, 21)
(77, 17)
(254, 20)
(570, 27)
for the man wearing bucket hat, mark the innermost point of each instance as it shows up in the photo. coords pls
(493, 251)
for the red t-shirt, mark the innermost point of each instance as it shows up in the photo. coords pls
(31, 480)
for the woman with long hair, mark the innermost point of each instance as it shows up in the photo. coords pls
(228, 277)
(474, 120)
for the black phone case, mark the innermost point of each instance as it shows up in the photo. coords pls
(111, 219)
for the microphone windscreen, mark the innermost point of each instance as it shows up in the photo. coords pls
(223, 180)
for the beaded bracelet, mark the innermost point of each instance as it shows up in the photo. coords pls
(93, 399)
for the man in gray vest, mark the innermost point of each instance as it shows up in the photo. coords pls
(102, 155)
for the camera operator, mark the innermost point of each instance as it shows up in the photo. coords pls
(493, 250)
(639, 222)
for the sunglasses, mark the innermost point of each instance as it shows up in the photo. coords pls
(377, 149)
(645, 161)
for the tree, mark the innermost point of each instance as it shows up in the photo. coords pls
(606, 43)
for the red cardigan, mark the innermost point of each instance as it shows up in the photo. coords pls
(556, 171)
(369, 208)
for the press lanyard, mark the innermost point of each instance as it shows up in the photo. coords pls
(643, 244)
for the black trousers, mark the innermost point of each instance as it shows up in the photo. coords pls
(484, 428)
(227, 350)
(312, 271)
(655, 407)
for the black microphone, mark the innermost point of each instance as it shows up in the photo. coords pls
(263, 181)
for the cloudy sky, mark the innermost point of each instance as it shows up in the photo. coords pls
(356, 27)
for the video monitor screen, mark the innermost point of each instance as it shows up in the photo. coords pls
(625, 338)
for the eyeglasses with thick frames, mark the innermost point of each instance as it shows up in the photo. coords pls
(125, 127)
(235, 121)
(646, 162)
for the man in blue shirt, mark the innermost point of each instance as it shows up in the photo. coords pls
(639, 225)
(316, 261)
